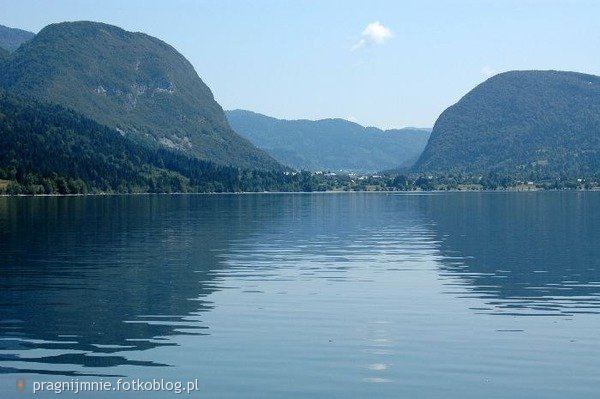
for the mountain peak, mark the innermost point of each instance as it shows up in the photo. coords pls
(519, 122)
(133, 82)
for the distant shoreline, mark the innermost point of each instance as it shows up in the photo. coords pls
(414, 192)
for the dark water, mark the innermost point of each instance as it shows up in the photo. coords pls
(473, 295)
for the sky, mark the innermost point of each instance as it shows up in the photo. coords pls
(388, 64)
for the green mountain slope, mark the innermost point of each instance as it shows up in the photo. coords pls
(4, 54)
(132, 82)
(11, 38)
(47, 149)
(329, 144)
(547, 122)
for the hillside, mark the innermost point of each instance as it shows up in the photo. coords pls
(47, 149)
(11, 38)
(132, 82)
(520, 122)
(329, 144)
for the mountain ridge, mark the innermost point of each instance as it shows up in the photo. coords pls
(12, 38)
(329, 144)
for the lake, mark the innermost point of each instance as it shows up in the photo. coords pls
(350, 295)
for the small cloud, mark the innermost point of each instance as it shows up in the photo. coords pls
(352, 118)
(488, 71)
(374, 33)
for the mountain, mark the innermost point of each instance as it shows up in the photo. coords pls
(329, 144)
(11, 38)
(131, 82)
(520, 122)
(48, 149)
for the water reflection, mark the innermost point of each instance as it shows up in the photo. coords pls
(327, 236)
(87, 284)
(86, 280)
(523, 253)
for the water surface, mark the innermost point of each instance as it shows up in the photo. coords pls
(458, 295)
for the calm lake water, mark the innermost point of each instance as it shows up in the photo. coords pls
(459, 295)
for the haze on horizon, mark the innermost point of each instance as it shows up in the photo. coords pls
(386, 64)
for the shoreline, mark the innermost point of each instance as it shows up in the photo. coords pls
(414, 192)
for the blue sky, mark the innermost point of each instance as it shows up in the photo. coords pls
(319, 59)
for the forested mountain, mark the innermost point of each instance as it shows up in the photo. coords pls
(47, 149)
(330, 144)
(520, 122)
(11, 38)
(131, 82)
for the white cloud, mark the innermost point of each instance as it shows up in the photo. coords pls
(488, 71)
(374, 33)
(352, 118)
